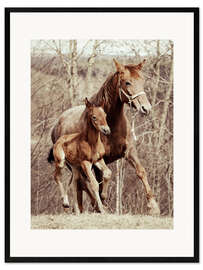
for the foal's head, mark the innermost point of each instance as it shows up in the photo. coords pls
(97, 116)
(131, 87)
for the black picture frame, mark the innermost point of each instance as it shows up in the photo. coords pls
(8, 257)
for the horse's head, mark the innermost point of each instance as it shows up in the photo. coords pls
(131, 86)
(97, 116)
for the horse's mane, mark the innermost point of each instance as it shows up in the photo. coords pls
(107, 92)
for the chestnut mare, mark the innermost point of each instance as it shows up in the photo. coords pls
(81, 151)
(126, 85)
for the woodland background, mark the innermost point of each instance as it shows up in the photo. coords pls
(63, 73)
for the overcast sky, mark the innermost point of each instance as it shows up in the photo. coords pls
(110, 47)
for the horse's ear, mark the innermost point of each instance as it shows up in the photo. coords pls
(120, 68)
(87, 103)
(140, 65)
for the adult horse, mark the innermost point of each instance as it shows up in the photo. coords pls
(126, 85)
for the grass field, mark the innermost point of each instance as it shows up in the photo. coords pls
(98, 221)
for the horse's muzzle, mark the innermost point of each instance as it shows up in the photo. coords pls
(142, 105)
(145, 110)
(105, 130)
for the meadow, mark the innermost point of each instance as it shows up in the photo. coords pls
(97, 221)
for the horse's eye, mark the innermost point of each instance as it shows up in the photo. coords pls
(128, 83)
(94, 118)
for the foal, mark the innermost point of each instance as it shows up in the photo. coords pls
(82, 150)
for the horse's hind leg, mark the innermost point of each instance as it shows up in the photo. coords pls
(57, 177)
(74, 187)
(135, 162)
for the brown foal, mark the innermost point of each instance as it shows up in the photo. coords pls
(82, 150)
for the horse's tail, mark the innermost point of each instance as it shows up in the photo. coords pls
(50, 156)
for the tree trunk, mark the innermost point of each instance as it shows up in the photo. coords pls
(156, 85)
(66, 66)
(157, 69)
(117, 188)
(91, 61)
(163, 120)
(73, 70)
(120, 172)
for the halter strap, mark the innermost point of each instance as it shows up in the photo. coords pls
(130, 98)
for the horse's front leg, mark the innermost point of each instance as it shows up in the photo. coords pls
(64, 196)
(83, 186)
(135, 162)
(79, 195)
(106, 175)
(93, 185)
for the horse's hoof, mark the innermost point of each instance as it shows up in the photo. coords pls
(102, 212)
(65, 206)
(154, 212)
(153, 207)
(103, 196)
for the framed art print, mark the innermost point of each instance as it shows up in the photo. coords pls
(102, 135)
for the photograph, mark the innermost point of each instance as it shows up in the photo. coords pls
(102, 134)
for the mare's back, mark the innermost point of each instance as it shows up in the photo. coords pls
(68, 122)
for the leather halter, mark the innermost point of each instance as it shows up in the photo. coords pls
(130, 98)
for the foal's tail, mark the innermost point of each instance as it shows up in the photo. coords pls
(50, 156)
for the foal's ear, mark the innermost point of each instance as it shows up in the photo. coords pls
(140, 65)
(120, 68)
(87, 103)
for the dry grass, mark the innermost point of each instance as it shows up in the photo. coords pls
(98, 221)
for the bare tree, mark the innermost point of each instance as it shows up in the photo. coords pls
(90, 65)
(73, 70)
(163, 118)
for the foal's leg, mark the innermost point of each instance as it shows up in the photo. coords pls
(135, 162)
(101, 165)
(84, 185)
(87, 189)
(57, 177)
(74, 186)
(93, 186)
